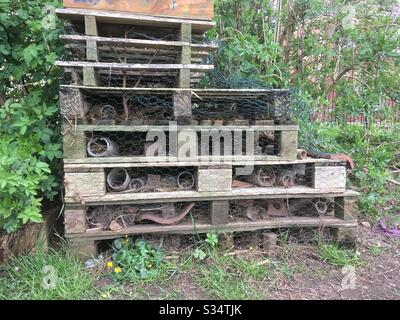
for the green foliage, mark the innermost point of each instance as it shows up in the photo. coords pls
(135, 260)
(23, 278)
(335, 256)
(29, 140)
(374, 152)
(212, 240)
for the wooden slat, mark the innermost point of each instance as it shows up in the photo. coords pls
(194, 164)
(193, 9)
(145, 128)
(221, 92)
(189, 228)
(138, 66)
(135, 19)
(237, 194)
(139, 43)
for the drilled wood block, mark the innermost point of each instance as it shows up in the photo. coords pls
(214, 180)
(75, 221)
(219, 212)
(84, 184)
(331, 178)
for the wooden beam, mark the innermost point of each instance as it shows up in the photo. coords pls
(138, 66)
(189, 228)
(238, 194)
(135, 19)
(138, 43)
(186, 54)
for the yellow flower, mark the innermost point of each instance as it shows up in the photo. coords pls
(110, 265)
(149, 266)
(117, 270)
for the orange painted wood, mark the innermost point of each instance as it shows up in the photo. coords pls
(193, 9)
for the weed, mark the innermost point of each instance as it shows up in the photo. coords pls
(135, 260)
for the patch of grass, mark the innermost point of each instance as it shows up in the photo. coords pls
(232, 278)
(335, 256)
(375, 250)
(30, 277)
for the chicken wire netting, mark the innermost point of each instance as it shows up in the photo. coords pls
(120, 217)
(206, 107)
(202, 144)
(168, 179)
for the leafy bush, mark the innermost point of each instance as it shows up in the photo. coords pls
(29, 131)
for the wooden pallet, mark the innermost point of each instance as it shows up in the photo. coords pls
(81, 183)
(92, 68)
(285, 137)
(76, 102)
(343, 223)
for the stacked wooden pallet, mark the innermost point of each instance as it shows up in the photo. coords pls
(125, 86)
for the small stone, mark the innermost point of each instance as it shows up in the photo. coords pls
(90, 264)
(115, 226)
(366, 224)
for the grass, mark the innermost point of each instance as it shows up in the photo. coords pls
(332, 254)
(24, 278)
(232, 278)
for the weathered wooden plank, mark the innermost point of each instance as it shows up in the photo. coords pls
(144, 128)
(137, 66)
(214, 180)
(186, 55)
(219, 212)
(192, 9)
(84, 165)
(200, 92)
(189, 228)
(75, 221)
(238, 194)
(78, 185)
(235, 160)
(89, 76)
(325, 177)
(138, 43)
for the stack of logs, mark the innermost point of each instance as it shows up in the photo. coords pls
(118, 183)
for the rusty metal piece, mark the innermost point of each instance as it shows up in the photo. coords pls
(166, 221)
(278, 208)
(136, 185)
(241, 184)
(186, 180)
(255, 213)
(334, 156)
(286, 178)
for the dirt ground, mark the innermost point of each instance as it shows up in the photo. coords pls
(301, 275)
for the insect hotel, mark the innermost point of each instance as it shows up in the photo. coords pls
(149, 152)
